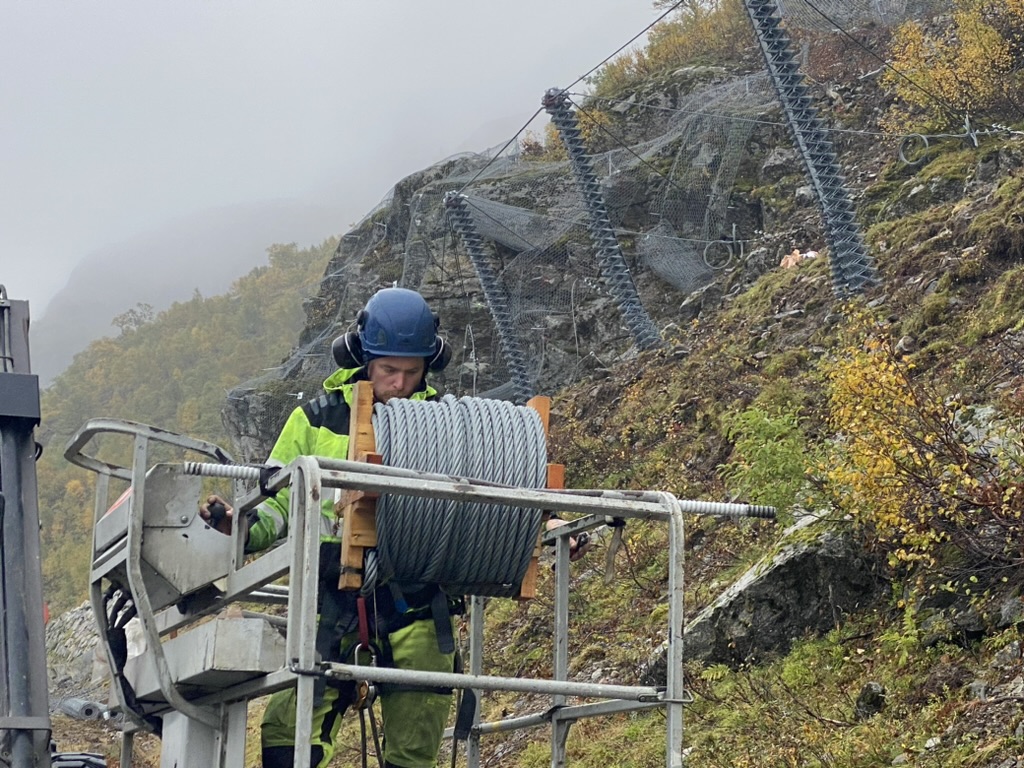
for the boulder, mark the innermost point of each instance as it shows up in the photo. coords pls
(814, 579)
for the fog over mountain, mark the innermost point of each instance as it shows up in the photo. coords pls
(204, 252)
(134, 135)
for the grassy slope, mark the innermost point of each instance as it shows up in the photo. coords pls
(950, 258)
(948, 243)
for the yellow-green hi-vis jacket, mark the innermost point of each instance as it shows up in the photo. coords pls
(318, 428)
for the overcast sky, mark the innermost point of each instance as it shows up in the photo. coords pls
(117, 116)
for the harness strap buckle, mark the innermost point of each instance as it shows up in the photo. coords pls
(365, 691)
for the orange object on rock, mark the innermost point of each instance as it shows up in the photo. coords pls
(791, 259)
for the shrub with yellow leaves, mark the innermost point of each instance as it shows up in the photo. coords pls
(970, 67)
(939, 485)
(595, 131)
(698, 32)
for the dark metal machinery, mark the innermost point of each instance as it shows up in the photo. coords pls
(24, 717)
(24, 702)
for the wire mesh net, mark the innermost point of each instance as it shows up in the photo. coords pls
(667, 197)
(667, 164)
(844, 14)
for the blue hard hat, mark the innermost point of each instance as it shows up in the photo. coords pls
(397, 322)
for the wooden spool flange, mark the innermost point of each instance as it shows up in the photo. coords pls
(358, 509)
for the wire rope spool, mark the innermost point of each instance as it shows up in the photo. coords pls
(466, 547)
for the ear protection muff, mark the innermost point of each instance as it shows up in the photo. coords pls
(347, 350)
(441, 357)
(442, 349)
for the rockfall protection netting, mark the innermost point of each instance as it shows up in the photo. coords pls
(667, 198)
(844, 14)
(668, 186)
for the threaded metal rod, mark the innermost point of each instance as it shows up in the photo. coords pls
(613, 265)
(494, 295)
(852, 267)
(695, 507)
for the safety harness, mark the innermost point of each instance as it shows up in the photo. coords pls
(345, 631)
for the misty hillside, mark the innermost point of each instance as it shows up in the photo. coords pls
(171, 370)
(204, 252)
(891, 421)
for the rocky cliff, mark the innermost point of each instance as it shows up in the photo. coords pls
(680, 229)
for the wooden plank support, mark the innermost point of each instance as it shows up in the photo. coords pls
(556, 479)
(358, 509)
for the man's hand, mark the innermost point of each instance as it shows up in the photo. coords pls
(120, 609)
(217, 513)
(578, 545)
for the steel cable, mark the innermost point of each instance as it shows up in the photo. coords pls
(494, 294)
(614, 270)
(466, 547)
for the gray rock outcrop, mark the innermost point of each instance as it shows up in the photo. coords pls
(76, 664)
(817, 576)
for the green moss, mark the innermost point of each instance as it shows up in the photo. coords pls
(933, 311)
(779, 197)
(894, 236)
(879, 200)
(785, 363)
(759, 300)
(1000, 309)
(999, 228)
(947, 166)
(933, 352)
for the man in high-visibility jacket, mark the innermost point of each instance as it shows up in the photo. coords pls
(394, 347)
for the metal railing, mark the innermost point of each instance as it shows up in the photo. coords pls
(214, 720)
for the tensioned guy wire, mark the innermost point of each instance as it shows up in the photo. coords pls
(467, 548)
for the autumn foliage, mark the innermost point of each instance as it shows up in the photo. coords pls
(595, 132)
(172, 370)
(935, 482)
(699, 32)
(971, 67)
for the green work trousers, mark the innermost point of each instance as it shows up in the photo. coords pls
(413, 721)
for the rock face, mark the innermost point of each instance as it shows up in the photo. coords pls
(871, 701)
(665, 208)
(809, 585)
(72, 651)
